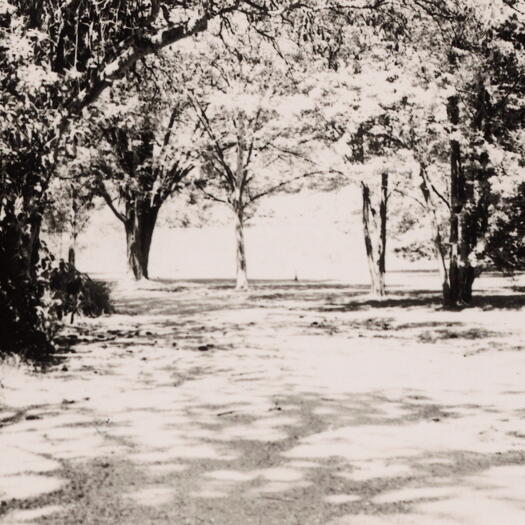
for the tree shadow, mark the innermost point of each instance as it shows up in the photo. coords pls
(514, 301)
(430, 299)
(394, 299)
(181, 297)
(259, 425)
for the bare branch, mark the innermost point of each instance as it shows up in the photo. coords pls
(103, 192)
(134, 49)
(283, 184)
(210, 195)
(218, 147)
(408, 196)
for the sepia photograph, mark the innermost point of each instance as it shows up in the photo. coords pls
(262, 262)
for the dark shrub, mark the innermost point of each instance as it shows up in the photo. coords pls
(77, 293)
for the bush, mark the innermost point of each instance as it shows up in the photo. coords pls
(36, 296)
(76, 293)
(27, 322)
(505, 243)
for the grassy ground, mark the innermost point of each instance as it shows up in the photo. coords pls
(292, 404)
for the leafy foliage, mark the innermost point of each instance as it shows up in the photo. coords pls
(249, 119)
(26, 305)
(505, 244)
(75, 292)
(147, 148)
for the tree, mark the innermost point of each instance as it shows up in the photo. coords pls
(28, 118)
(146, 154)
(360, 115)
(70, 212)
(249, 121)
(504, 248)
(478, 65)
(57, 58)
(465, 131)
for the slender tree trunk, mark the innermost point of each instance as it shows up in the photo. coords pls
(237, 202)
(461, 273)
(72, 251)
(375, 236)
(383, 215)
(149, 221)
(240, 257)
(439, 246)
(71, 255)
(31, 247)
(139, 233)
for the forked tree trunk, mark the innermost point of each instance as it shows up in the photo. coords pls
(139, 233)
(240, 253)
(375, 236)
(437, 238)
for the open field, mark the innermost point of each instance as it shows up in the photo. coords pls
(293, 404)
(315, 235)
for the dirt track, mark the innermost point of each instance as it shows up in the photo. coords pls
(294, 404)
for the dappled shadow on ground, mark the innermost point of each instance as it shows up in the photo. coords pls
(180, 297)
(313, 457)
(172, 297)
(394, 299)
(514, 301)
(198, 407)
(428, 298)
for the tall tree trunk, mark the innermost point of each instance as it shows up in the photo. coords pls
(383, 214)
(237, 203)
(439, 246)
(240, 253)
(24, 330)
(461, 272)
(139, 232)
(375, 236)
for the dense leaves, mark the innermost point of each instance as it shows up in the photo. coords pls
(505, 244)
(75, 293)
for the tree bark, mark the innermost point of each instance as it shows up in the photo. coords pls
(240, 253)
(461, 273)
(383, 214)
(375, 236)
(439, 246)
(72, 251)
(139, 232)
(237, 202)
(31, 248)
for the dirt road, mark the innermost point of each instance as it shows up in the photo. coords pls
(293, 404)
